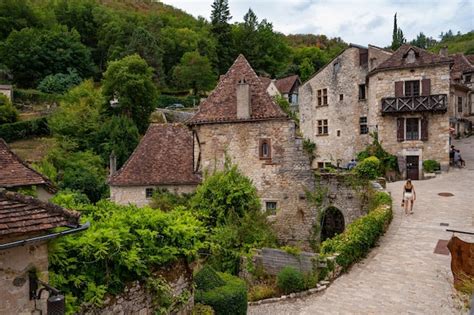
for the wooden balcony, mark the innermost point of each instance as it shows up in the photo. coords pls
(411, 104)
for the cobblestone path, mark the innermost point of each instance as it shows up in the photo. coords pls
(403, 275)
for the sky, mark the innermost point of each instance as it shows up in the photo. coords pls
(358, 21)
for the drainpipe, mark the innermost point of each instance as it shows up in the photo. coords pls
(80, 228)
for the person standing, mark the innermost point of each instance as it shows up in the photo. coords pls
(409, 197)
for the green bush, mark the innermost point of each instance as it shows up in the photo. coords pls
(369, 168)
(290, 280)
(361, 235)
(231, 298)
(33, 96)
(378, 198)
(60, 82)
(207, 279)
(429, 166)
(200, 309)
(8, 113)
(24, 129)
(388, 162)
(260, 292)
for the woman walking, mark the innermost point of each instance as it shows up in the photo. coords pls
(409, 196)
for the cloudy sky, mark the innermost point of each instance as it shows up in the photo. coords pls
(358, 21)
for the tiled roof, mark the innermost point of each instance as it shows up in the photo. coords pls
(423, 59)
(470, 58)
(284, 85)
(221, 105)
(461, 65)
(265, 81)
(164, 156)
(21, 215)
(15, 173)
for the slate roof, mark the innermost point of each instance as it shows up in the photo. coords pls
(16, 173)
(22, 215)
(423, 59)
(284, 85)
(221, 105)
(164, 156)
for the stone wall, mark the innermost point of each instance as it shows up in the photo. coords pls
(273, 260)
(283, 179)
(125, 195)
(382, 84)
(15, 263)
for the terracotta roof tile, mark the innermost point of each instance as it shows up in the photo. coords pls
(284, 85)
(461, 65)
(423, 59)
(265, 81)
(21, 215)
(15, 173)
(164, 156)
(221, 105)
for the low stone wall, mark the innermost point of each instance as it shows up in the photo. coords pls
(274, 260)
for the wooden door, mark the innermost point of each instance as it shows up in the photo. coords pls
(412, 167)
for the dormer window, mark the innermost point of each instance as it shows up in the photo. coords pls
(265, 149)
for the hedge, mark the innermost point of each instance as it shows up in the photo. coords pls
(24, 129)
(207, 279)
(360, 236)
(230, 298)
(290, 280)
(33, 96)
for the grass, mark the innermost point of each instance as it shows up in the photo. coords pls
(33, 149)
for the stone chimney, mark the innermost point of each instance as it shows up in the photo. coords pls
(443, 51)
(113, 163)
(243, 100)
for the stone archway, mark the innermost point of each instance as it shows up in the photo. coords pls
(332, 223)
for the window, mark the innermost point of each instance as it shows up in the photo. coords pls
(467, 79)
(364, 129)
(149, 192)
(361, 91)
(320, 164)
(338, 133)
(294, 99)
(271, 207)
(323, 127)
(341, 97)
(265, 150)
(459, 104)
(322, 97)
(412, 88)
(412, 129)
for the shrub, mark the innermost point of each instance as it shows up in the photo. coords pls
(231, 298)
(378, 198)
(24, 129)
(361, 235)
(8, 113)
(200, 309)
(388, 162)
(290, 280)
(164, 200)
(59, 83)
(33, 96)
(260, 292)
(429, 166)
(207, 279)
(369, 168)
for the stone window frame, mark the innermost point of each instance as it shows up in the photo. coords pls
(363, 125)
(322, 127)
(274, 206)
(261, 148)
(149, 192)
(418, 132)
(322, 96)
(362, 92)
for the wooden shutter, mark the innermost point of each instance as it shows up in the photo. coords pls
(425, 87)
(399, 89)
(424, 129)
(400, 129)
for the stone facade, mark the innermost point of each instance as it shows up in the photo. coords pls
(437, 146)
(15, 264)
(136, 195)
(274, 260)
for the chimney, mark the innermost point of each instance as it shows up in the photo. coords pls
(113, 163)
(443, 51)
(243, 100)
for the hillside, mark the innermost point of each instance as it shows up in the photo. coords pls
(462, 43)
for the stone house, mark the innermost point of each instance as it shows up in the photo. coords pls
(15, 175)
(334, 105)
(240, 120)
(7, 90)
(288, 88)
(269, 85)
(163, 159)
(25, 225)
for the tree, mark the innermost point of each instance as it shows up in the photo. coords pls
(194, 72)
(60, 82)
(16, 15)
(8, 113)
(129, 80)
(222, 31)
(397, 36)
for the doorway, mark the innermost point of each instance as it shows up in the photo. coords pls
(413, 171)
(332, 223)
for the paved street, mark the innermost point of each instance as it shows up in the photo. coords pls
(403, 275)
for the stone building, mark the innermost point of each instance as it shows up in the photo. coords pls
(240, 120)
(269, 85)
(163, 159)
(15, 174)
(289, 89)
(23, 258)
(7, 90)
(334, 105)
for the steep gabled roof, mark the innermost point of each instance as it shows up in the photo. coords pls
(221, 105)
(423, 59)
(16, 173)
(265, 81)
(22, 215)
(461, 65)
(164, 156)
(284, 85)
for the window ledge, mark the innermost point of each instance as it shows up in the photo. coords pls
(323, 135)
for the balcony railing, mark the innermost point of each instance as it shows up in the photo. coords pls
(431, 103)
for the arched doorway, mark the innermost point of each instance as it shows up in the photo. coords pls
(332, 223)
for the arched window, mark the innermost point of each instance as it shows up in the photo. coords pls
(265, 150)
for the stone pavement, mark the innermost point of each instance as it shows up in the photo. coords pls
(403, 275)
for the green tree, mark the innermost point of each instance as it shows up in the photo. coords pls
(194, 72)
(306, 69)
(60, 82)
(397, 36)
(8, 113)
(16, 15)
(222, 31)
(129, 80)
